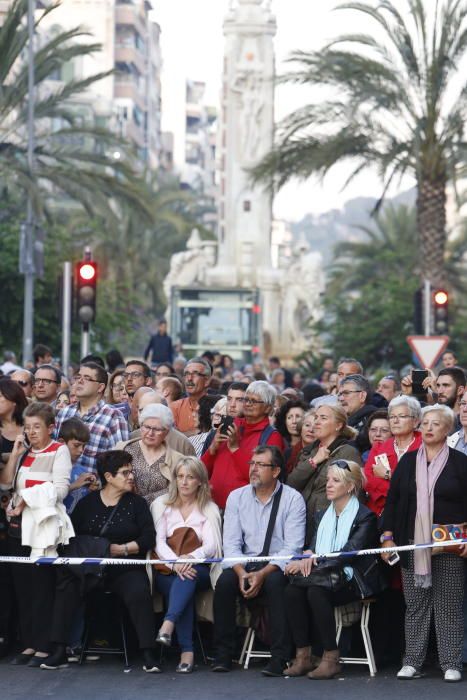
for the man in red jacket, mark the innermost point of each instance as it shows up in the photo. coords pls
(228, 455)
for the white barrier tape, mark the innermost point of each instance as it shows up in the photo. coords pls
(113, 561)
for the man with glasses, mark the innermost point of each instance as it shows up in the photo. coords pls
(230, 452)
(25, 379)
(106, 424)
(354, 395)
(136, 375)
(246, 521)
(47, 380)
(196, 376)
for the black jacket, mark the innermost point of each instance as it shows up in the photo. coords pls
(363, 535)
(160, 346)
(401, 503)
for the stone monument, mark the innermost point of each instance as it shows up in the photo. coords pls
(288, 294)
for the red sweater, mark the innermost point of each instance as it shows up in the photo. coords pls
(229, 470)
(376, 487)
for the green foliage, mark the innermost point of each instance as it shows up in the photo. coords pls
(400, 106)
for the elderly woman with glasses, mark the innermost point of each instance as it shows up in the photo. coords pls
(153, 459)
(427, 500)
(404, 414)
(316, 588)
(230, 452)
(126, 520)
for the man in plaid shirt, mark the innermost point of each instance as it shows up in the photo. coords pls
(106, 424)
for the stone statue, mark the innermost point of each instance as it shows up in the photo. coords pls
(248, 85)
(301, 286)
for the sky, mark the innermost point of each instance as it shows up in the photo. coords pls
(192, 47)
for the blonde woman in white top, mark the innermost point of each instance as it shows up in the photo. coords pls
(38, 471)
(187, 505)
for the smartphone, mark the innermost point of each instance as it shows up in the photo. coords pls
(26, 442)
(418, 376)
(225, 424)
(393, 559)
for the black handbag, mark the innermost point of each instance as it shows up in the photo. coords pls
(258, 565)
(85, 547)
(330, 577)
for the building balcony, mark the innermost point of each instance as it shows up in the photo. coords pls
(129, 54)
(128, 89)
(131, 15)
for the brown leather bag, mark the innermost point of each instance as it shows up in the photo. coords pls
(184, 540)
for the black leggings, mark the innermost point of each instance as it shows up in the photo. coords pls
(310, 612)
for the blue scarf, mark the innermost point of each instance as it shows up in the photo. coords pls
(333, 531)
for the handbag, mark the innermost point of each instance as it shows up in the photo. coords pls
(445, 533)
(258, 565)
(328, 576)
(89, 546)
(183, 540)
(14, 525)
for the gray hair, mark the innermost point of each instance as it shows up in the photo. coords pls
(351, 361)
(360, 382)
(413, 406)
(448, 415)
(264, 390)
(201, 361)
(157, 410)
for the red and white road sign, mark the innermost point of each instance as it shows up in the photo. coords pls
(428, 348)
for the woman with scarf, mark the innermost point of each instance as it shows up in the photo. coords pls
(316, 588)
(429, 487)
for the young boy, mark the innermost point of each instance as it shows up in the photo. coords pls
(75, 434)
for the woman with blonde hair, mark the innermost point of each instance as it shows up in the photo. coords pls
(316, 588)
(332, 442)
(188, 525)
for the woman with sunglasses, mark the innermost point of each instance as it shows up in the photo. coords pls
(129, 528)
(153, 459)
(316, 588)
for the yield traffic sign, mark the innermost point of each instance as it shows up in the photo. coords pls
(428, 348)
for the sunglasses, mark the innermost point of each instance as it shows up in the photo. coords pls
(341, 463)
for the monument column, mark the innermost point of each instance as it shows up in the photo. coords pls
(245, 136)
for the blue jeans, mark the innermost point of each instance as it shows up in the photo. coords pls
(179, 599)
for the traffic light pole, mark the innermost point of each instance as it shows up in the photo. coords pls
(66, 315)
(28, 262)
(427, 306)
(85, 345)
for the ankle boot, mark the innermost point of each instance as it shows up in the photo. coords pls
(301, 664)
(329, 666)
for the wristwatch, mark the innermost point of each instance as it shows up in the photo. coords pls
(385, 538)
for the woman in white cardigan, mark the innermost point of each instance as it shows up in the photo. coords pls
(38, 473)
(186, 511)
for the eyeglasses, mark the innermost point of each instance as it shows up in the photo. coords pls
(214, 414)
(41, 380)
(252, 463)
(341, 463)
(251, 402)
(381, 431)
(462, 403)
(85, 378)
(195, 374)
(347, 392)
(393, 418)
(125, 473)
(132, 375)
(150, 429)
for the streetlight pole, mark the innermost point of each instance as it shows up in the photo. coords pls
(28, 262)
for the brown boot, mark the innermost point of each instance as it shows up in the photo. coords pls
(328, 668)
(301, 664)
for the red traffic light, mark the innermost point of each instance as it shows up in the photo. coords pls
(87, 271)
(441, 297)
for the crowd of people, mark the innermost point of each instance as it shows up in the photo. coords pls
(171, 458)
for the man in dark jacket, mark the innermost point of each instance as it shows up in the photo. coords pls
(355, 398)
(160, 345)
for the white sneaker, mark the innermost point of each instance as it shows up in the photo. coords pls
(408, 672)
(452, 676)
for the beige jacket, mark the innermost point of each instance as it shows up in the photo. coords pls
(175, 439)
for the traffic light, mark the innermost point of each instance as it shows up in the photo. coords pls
(86, 289)
(440, 311)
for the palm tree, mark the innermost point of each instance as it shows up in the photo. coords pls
(73, 157)
(400, 105)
